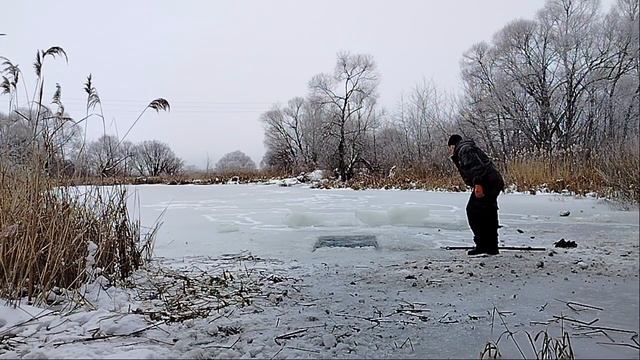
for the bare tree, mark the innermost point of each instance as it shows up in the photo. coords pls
(57, 136)
(492, 107)
(389, 149)
(421, 118)
(564, 81)
(155, 158)
(294, 136)
(284, 133)
(15, 138)
(616, 100)
(105, 157)
(235, 161)
(128, 150)
(349, 98)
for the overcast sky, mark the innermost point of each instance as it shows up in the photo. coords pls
(222, 63)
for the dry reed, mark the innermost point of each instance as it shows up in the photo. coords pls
(57, 237)
(53, 234)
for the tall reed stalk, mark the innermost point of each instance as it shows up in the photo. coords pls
(53, 234)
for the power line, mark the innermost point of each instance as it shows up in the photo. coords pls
(193, 102)
(173, 106)
(176, 106)
(178, 111)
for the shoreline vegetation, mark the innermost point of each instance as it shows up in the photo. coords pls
(618, 181)
(53, 238)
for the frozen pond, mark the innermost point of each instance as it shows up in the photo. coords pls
(285, 222)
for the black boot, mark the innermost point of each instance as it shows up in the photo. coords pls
(478, 251)
(492, 250)
(491, 247)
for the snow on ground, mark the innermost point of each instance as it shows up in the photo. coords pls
(406, 299)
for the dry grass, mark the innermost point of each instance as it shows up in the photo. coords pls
(532, 173)
(409, 180)
(201, 178)
(53, 234)
(47, 232)
(543, 344)
(613, 173)
(620, 172)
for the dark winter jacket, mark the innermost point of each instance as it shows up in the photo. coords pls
(476, 168)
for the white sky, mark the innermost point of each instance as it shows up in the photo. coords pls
(222, 63)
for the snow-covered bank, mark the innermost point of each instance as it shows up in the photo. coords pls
(439, 304)
(406, 299)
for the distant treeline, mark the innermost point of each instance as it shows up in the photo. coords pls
(563, 87)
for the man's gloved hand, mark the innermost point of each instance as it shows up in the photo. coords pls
(478, 191)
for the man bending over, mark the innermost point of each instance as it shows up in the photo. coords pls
(479, 172)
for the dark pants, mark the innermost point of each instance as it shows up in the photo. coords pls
(482, 214)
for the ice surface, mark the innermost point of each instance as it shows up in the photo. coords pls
(274, 221)
(403, 216)
(227, 228)
(303, 219)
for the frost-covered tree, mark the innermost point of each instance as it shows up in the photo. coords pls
(566, 81)
(105, 157)
(294, 135)
(421, 118)
(15, 138)
(235, 161)
(284, 134)
(155, 158)
(56, 135)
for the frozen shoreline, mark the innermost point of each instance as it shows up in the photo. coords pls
(441, 302)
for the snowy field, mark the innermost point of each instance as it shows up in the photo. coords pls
(406, 298)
